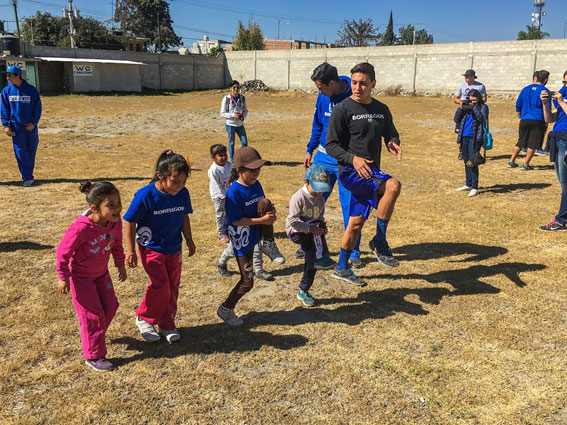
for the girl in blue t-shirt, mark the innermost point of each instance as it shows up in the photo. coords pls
(250, 216)
(156, 218)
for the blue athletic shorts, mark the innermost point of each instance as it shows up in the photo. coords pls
(364, 191)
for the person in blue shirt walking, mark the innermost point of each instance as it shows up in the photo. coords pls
(333, 89)
(21, 111)
(557, 146)
(529, 108)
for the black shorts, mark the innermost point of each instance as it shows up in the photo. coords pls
(532, 133)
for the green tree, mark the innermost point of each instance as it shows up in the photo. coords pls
(215, 51)
(142, 18)
(408, 32)
(358, 34)
(250, 38)
(48, 30)
(532, 33)
(389, 38)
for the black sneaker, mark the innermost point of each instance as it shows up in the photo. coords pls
(264, 275)
(383, 253)
(554, 226)
(223, 270)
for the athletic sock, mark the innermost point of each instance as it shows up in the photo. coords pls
(344, 255)
(381, 227)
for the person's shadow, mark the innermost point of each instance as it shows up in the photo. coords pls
(435, 250)
(207, 339)
(21, 245)
(513, 187)
(39, 182)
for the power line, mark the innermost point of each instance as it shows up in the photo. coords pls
(203, 31)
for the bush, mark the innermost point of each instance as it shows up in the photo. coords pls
(393, 90)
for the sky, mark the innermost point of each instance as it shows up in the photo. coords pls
(450, 21)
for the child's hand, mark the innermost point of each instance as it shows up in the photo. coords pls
(269, 218)
(132, 260)
(63, 286)
(316, 230)
(122, 275)
(191, 247)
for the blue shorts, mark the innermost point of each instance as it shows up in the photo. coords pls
(363, 191)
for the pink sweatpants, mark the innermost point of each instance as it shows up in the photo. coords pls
(96, 304)
(159, 305)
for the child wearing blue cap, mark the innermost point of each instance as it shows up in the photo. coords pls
(305, 225)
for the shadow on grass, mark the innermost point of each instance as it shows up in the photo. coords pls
(208, 339)
(22, 245)
(507, 188)
(468, 281)
(100, 179)
(287, 163)
(496, 157)
(434, 250)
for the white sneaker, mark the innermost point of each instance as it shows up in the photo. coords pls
(463, 188)
(147, 330)
(171, 336)
(28, 183)
(227, 314)
(271, 250)
(473, 192)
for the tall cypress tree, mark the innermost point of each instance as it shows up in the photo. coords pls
(389, 38)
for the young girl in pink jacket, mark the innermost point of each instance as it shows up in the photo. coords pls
(82, 266)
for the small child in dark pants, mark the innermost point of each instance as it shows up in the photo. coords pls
(305, 225)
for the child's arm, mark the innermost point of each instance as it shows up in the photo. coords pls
(65, 250)
(186, 229)
(118, 254)
(131, 257)
(268, 219)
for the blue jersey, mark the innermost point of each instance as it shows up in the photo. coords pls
(529, 104)
(20, 105)
(467, 126)
(323, 109)
(242, 201)
(561, 121)
(159, 218)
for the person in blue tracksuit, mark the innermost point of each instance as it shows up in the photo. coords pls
(21, 111)
(332, 91)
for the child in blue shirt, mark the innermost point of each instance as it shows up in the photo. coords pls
(250, 217)
(156, 218)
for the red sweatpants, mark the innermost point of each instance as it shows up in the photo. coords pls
(159, 305)
(96, 304)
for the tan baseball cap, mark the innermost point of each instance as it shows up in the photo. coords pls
(248, 157)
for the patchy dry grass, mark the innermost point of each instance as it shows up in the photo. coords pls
(470, 329)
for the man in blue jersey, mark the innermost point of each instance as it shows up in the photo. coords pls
(529, 108)
(332, 90)
(21, 111)
(557, 146)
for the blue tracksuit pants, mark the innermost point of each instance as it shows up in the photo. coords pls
(25, 146)
(344, 195)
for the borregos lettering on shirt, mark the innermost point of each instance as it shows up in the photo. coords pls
(368, 117)
(23, 99)
(168, 210)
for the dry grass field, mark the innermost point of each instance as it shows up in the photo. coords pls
(470, 329)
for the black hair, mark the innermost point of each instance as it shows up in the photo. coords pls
(365, 68)
(217, 149)
(169, 161)
(564, 74)
(325, 73)
(475, 93)
(98, 191)
(542, 76)
(234, 174)
(234, 83)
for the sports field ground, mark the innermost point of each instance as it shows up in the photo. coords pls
(470, 329)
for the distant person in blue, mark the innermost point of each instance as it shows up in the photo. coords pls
(356, 129)
(21, 111)
(529, 108)
(557, 147)
(333, 89)
(471, 118)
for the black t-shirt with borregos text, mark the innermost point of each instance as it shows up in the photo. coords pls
(356, 129)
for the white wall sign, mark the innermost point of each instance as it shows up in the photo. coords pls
(82, 70)
(19, 64)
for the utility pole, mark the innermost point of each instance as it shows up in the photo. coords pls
(69, 13)
(15, 3)
(159, 32)
(278, 29)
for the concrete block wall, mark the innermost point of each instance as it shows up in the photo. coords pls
(503, 66)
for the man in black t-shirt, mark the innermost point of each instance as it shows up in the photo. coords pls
(354, 135)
